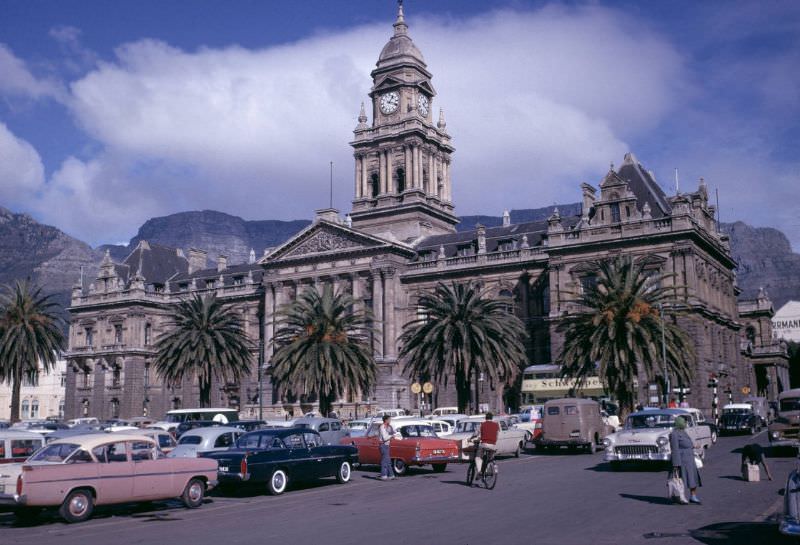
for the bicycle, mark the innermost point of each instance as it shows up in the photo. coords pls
(489, 472)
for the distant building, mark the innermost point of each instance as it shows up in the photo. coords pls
(766, 354)
(399, 240)
(39, 399)
(786, 322)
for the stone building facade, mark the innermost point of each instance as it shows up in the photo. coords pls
(39, 399)
(399, 240)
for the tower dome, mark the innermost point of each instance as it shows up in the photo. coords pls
(400, 47)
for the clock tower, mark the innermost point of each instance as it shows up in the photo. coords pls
(402, 160)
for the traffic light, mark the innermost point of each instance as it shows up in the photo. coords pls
(713, 382)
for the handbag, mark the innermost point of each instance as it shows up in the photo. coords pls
(675, 488)
(698, 461)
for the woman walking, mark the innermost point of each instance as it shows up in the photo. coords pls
(683, 462)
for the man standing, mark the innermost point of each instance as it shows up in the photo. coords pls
(385, 435)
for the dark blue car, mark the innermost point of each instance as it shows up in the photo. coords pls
(279, 456)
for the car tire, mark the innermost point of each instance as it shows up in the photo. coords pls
(344, 473)
(77, 506)
(276, 485)
(591, 448)
(519, 449)
(615, 466)
(713, 438)
(399, 467)
(194, 493)
(439, 468)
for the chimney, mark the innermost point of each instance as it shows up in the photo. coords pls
(506, 218)
(222, 262)
(197, 260)
(327, 214)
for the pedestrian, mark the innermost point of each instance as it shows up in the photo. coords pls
(385, 435)
(754, 454)
(672, 404)
(682, 449)
(684, 404)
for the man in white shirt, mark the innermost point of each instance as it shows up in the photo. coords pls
(385, 435)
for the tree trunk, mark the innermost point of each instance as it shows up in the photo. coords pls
(462, 391)
(325, 403)
(15, 395)
(477, 392)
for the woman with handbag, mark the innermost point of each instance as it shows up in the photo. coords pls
(683, 461)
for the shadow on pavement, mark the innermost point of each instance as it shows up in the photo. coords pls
(462, 482)
(628, 466)
(740, 533)
(658, 500)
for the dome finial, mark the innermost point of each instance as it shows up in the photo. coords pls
(400, 26)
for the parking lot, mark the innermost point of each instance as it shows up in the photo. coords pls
(539, 498)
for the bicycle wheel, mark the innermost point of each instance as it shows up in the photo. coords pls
(490, 478)
(470, 474)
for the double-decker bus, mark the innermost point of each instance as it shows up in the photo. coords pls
(543, 382)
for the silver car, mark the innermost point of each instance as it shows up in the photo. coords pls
(201, 440)
(330, 429)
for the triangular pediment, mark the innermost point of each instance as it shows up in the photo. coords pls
(387, 81)
(324, 238)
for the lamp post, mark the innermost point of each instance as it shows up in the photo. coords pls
(664, 354)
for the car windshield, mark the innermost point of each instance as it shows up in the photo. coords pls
(190, 440)
(736, 411)
(254, 440)
(54, 453)
(790, 404)
(644, 421)
(357, 425)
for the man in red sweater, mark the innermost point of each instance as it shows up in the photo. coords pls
(487, 435)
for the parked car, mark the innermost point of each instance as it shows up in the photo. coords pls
(416, 445)
(278, 456)
(789, 522)
(645, 437)
(572, 422)
(17, 445)
(530, 413)
(740, 418)
(247, 425)
(441, 411)
(700, 420)
(75, 421)
(39, 426)
(359, 427)
(196, 442)
(164, 439)
(510, 440)
(442, 428)
(77, 473)
(784, 430)
(183, 427)
(78, 429)
(389, 412)
(760, 407)
(331, 430)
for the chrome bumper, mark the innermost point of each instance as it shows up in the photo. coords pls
(422, 460)
(13, 499)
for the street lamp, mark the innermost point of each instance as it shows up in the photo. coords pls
(664, 354)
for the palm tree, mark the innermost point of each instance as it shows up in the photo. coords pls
(29, 336)
(621, 331)
(462, 333)
(207, 341)
(322, 346)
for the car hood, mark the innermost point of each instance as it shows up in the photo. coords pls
(635, 437)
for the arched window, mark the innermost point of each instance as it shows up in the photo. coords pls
(615, 218)
(750, 332)
(35, 408)
(85, 407)
(61, 408)
(401, 180)
(115, 408)
(25, 412)
(148, 330)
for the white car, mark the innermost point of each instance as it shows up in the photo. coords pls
(510, 440)
(645, 437)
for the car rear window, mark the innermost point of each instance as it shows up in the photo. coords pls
(21, 447)
(552, 411)
(570, 409)
(190, 440)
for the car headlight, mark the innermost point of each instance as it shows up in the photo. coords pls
(661, 441)
(606, 442)
(776, 434)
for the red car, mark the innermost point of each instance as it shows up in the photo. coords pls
(416, 445)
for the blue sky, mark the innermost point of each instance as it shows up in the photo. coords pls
(114, 112)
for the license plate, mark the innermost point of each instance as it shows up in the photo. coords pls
(438, 452)
(223, 469)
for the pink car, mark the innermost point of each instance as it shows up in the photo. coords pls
(77, 473)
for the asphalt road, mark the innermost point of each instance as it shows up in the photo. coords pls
(553, 498)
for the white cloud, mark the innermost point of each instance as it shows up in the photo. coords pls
(18, 80)
(21, 169)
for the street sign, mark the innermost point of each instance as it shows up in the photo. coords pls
(427, 387)
(745, 390)
(416, 388)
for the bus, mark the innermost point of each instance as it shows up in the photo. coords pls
(543, 382)
(178, 416)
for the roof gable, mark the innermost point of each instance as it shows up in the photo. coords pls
(324, 238)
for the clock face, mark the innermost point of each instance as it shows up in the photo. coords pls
(422, 104)
(389, 102)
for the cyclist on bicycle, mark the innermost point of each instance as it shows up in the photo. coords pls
(486, 436)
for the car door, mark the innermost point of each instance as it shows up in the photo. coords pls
(302, 464)
(115, 472)
(503, 438)
(368, 446)
(153, 476)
